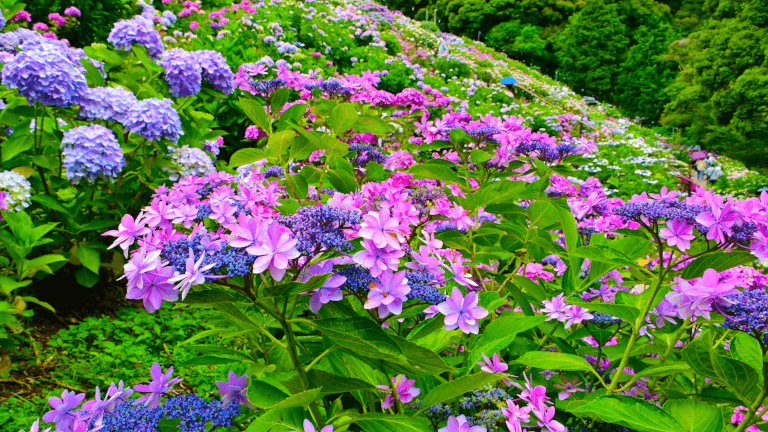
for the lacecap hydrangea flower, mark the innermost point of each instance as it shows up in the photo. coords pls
(137, 30)
(106, 103)
(182, 72)
(17, 190)
(154, 119)
(189, 161)
(46, 75)
(90, 152)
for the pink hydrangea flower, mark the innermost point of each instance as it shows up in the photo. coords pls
(275, 252)
(460, 424)
(462, 312)
(389, 294)
(406, 392)
(678, 233)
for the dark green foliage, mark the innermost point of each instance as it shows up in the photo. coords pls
(96, 20)
(719, 98)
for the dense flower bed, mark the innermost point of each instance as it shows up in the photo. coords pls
(382, 252)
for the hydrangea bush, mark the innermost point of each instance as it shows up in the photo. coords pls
(407, 261)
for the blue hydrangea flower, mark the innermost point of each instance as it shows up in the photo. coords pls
(182, 72)
(137, 30)
(45, 75)
(2, 19)
(189, 161)
(106, 103)
(17, 190)
(216, 72)
(170, 16)
(90, 152)
(154, 119)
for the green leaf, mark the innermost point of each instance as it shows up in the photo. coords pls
(298, 186)
(256, 114)
(301, 148)
(498, 334)
(246, 156)
(745, 348)
(86, 278)
(328, 383)
(542, 214)
(371, 125)
(332, 146)
(630, 412)
(208, 360)
(696, 354)
(719, 261)
(343, 118)
(479, 156)
(380, 422)
(264, 395)
(40, 264)
(45, 161)
(20, 141)
(50, 202)
(554, 361)
(452, 389)
(425, 328)
(279, 143)
(740, 377)
(8, 285)
(603, 254)
(141, 53)
(299, 400)
(665, 369)
(342, 181)
(433, 171)
(375, 172)
(92, 75)
(279, 98)
(289, 289)
(695, 416)
(89, 258)
(208, 296)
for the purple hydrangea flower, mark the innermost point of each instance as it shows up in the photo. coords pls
(72, 11)
(36, 427)
(213, 145)
(462, 312)
(461, 424)
(154, 119)
(234, 390)
(90, 152)
(389, 294)
(406, 391)
(276, 250)
(45, 75)
(182, 72)
(216, 72)
(62, 413)
(160, 385)
(106, 103)
(2, 19)
(136, 30)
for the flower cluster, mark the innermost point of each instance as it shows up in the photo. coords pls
(16, 191)
(90, 152)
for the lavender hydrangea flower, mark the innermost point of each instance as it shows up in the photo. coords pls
(182, 72)
(17, 190)
(136, 30)
(62, 413)
(189, 161)
(106, 103)
(216, 72)
(72, 12)
(2, 20)
(160, 385)
(389, 294)
(90, 152)
(462, 312)
(234, 390)
(45, 75)
(154, 119)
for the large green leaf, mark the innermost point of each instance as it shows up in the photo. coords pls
(554, 361)
(246, 156)
(716, 260)
(256, 114)
(343, 118)
(343, 181)
(695, 416)
(265, 395)
(433, 171)
(747, 349)
(630, 412)
(89, 258)
(498, 334)
(328, 383)
(381, 422)
(740, 377)
(452, 389)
